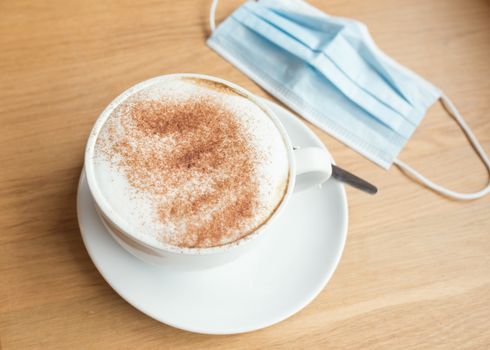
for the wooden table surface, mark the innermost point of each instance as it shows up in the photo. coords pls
(415, 273)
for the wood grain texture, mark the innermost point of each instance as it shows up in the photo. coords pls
(416, 268)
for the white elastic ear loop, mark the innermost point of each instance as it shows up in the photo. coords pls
(456, 195)
(212, 12)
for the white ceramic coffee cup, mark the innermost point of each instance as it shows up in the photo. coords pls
(307, 167)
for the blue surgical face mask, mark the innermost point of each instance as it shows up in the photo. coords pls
(329, 70)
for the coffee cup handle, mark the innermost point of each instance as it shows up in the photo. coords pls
(313, 167)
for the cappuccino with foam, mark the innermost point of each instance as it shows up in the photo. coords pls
(190, 162)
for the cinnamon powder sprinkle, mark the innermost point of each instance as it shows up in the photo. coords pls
(193, 158)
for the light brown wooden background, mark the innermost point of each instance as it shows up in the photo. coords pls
(416, 269)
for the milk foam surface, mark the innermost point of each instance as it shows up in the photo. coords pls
(190, 163)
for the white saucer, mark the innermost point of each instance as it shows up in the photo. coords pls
(277, 279)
